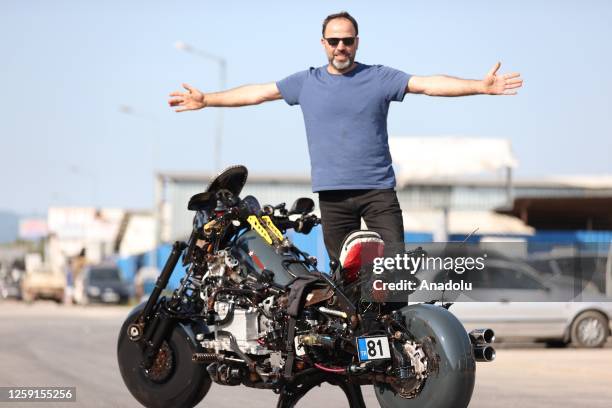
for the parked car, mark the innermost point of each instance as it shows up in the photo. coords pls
(519, 303)
(100, 284)
(10, 282)
(43, 282)
(588, 267)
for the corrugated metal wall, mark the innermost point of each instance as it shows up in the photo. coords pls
(458, 197)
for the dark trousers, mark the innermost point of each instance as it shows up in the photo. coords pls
(342, 210)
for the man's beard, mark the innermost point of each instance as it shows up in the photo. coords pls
(341, 66)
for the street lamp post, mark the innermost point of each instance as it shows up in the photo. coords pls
(180, 45)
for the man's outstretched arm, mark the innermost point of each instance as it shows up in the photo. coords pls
(193, 99)
(442, 85)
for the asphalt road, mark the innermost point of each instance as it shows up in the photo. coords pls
(48, 345)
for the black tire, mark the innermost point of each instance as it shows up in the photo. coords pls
(453, 384)
(589, 330)
(185, 383)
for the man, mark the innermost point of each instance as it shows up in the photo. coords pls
(345, 106)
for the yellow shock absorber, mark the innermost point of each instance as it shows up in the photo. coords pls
(256, 225)
(266, 219)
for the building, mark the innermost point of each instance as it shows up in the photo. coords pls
(78, 230)
(446, 186)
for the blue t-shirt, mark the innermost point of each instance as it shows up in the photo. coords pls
(346, 123)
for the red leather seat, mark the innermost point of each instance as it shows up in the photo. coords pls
(359, 248)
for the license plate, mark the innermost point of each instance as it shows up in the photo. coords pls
(373, 348)
(110, 297)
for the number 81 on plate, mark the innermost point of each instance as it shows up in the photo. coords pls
(373, 348)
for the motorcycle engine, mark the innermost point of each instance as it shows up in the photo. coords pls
(223, 264)
(246, 326)
(242, 319)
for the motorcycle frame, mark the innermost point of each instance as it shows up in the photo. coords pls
(160, 316)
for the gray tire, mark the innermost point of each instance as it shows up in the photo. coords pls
(590, 330)
(451, 386)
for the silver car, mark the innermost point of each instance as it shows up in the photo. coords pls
(518, 303)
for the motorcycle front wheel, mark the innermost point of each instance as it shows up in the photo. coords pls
(173, 380)
(452, 383)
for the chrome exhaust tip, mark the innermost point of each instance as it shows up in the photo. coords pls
(484, 354)
(482, 336)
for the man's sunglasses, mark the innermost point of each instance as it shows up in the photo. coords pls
(348, 41)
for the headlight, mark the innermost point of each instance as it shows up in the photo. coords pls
(93, 291)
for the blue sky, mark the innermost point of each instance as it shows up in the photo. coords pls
(67, 66)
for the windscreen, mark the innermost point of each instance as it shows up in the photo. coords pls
(104, 274)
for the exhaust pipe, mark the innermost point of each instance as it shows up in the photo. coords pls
(484, 354)
(482, 336)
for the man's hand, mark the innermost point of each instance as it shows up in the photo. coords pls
(242, 96)
(443, 85)
(505, 84)
(192, 99)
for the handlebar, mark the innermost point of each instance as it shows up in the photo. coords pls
(304, 224)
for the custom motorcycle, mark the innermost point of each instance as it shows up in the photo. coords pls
(253, 310)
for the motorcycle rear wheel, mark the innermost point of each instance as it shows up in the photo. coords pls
(453, 383)
(174, 381)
